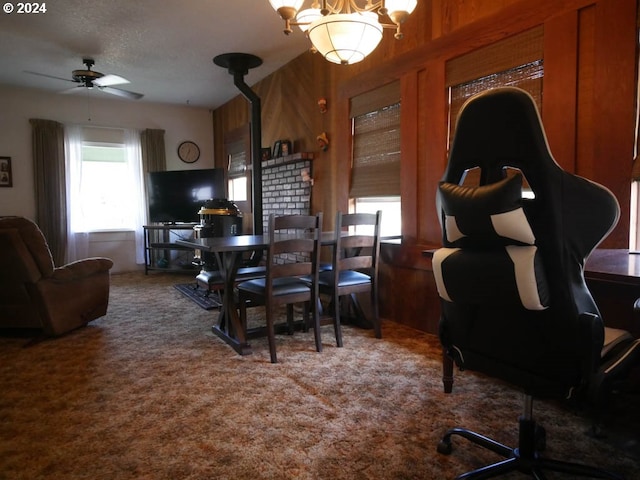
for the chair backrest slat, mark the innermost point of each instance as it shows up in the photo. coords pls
(294, 246)
(355, 263)
(356, 250)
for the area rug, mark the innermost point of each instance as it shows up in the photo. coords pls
(199, 295)
(149, 393)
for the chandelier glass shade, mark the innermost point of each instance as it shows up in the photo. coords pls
(343, 31)
(346, 38)
(306, 17)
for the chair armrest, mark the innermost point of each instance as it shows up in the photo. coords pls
(81, 269)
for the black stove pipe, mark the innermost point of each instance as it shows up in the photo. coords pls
(256, 146)
(238, 65)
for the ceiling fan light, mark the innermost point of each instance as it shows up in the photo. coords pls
(306, 17)
(346, 38)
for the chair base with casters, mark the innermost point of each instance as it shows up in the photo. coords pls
(524, 458)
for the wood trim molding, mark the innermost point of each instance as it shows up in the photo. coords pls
(508, 21)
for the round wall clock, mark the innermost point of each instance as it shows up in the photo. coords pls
(188, 151)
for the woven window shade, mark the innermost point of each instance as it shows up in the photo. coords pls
(520, 49)
(376, 142)
(515, 61)
(375, 99)
(376, 153)
(528, 77)
(237, 164)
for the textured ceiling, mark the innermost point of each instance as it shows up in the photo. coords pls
(163, 47)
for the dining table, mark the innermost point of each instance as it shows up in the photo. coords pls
(229, 252)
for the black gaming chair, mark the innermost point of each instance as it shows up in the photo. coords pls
(515, 305)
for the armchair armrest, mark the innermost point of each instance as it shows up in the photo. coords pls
(81, 269)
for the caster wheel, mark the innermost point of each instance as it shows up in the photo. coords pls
(444, 447)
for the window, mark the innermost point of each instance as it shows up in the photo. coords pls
(104, 205)
(105, 188)
(375, 174)
(237, 150)
(391, 224)
(238, 178)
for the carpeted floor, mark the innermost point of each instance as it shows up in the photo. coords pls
(148, 393)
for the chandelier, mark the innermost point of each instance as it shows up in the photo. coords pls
(341, 30)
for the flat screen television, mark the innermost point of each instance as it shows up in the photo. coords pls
(175, 196)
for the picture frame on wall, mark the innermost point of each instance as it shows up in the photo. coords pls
(6, 178)
(286, 148)
(277, 149)
(265, 153)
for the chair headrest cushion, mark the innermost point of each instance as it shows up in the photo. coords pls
(485, 216)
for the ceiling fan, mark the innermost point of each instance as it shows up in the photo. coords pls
(88, 79)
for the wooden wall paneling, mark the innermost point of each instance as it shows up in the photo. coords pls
(289, 105)
(408, 292)
(397, 286)
(559, 99)
(342, 153)
(457, 13)
(585, 128)
(323, 196)
(269, 91)
(433, 148)
(615, 94)
(515, 17)
(409, 179)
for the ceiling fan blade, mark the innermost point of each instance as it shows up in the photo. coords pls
(49, 76)
(110, 80)
(122, 93)
(78, 89)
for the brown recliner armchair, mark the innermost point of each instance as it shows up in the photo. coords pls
(34, 294)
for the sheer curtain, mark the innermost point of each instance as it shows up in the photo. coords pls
(132, 187)
(77, 236)
(134, 164)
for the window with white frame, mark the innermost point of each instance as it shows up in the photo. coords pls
(105, 180)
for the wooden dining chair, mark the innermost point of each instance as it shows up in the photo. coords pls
(294, 252)
(354, 268)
